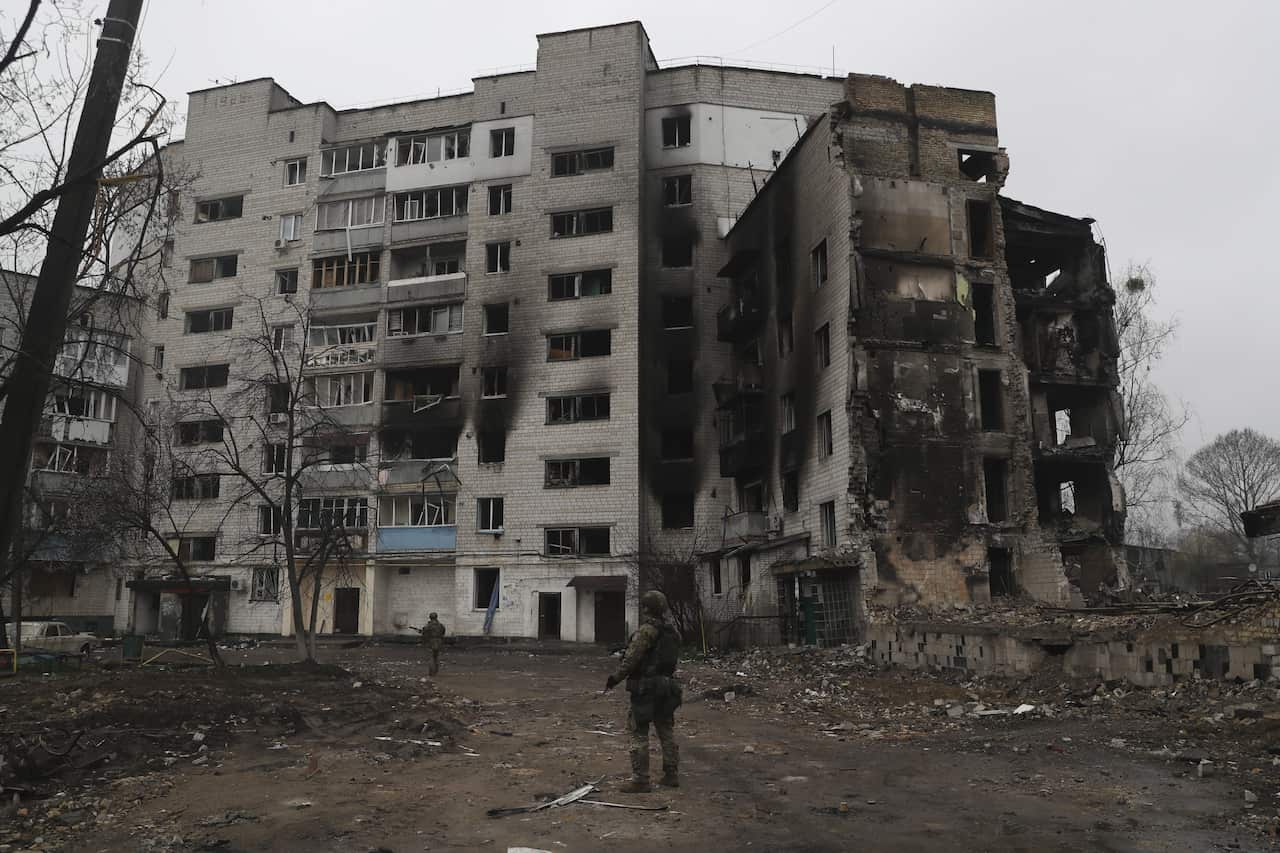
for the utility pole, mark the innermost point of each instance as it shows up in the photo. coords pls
(28, 382)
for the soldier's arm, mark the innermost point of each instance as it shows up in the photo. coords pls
(640, 645)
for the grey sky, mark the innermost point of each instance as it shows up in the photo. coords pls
(1158, 119)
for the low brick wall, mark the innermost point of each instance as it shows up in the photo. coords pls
(1245, 649)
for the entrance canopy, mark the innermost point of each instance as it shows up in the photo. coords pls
(599, 583)
(182, 586)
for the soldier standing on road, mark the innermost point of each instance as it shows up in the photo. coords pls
(433, 636)
(649, 668)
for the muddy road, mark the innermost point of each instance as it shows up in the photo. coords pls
(513, 728)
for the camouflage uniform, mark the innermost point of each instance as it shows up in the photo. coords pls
(433, 636)
(648, 667)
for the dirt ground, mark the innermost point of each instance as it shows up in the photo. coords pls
(377, 757)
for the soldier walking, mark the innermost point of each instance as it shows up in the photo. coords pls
(433, 636)
(649, 668)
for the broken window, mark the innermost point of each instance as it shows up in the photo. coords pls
(717, 581)
(499, 199)
(217, 209)
(752, 497)
(348, 454)
(497, 318)
(575, 285)
(489, 512)
(744, 571)
(425, 320)
(431, 204)
(213, 320)
(353, 158)
(204, 376)
(157, 356)
(270, 520)
(485, 584)
(433, 148)
(575, 345)
(822, 346)
(571, 541)
(275, 458)
(788, 412)
(677, 312)
(827, 516)
(197, 548)
(340, 389)
(281, 337)
(981, 239)
(356, 212)
(677, 252)
(818, 265)
(677, 191)
(278, 398)
(984, 314)
(786, 336)
(677, 511)
(265, 585)
(497, 257)
(995, 474)
(491, 446)
(577, 162)
(679, 376)
(208, 269)
(408, 386)
(1061, 426)
(1067, 497)
(493, 382)
(196, 487)
(578, 407)
(295, 172)
(502, 142)
(791, 491)
(345, 512)
(344, 271)
(567, 473)
(287, 281)
(991, 400)
(1000, 579)
(676, 131)
(162, 305)
(977, 166)
(579, 223)
(677, 444)
(198, 432)
(429, 510)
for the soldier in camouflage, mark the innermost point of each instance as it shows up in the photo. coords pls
(433, 637)
(649, 668)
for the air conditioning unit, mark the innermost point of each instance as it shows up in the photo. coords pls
(278, 418)
(237, 585)
(280, 244)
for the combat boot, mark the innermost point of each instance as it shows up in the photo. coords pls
(669, 780)
(637, 785)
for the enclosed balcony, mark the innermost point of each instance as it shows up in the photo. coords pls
(745, 526)
(743, 442)
(422, 397)
(342, 342)
(433, 270)
(75, 429)
(740, 319)
(424, 521)
(102, 359)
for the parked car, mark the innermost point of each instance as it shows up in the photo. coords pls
(55, 637)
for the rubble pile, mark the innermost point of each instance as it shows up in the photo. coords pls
(79, 751)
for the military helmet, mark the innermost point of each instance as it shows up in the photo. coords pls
(431, 616)
(653, 602)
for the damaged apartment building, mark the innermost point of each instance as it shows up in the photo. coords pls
(921, 402)
(607, 314)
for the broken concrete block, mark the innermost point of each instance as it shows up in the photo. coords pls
(1250, 798)
(955, 711)
(1204, 769)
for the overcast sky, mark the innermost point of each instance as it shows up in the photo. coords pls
(1158, 119)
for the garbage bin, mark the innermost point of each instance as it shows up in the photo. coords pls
(131, 647)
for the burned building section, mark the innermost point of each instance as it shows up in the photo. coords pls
(1064, 311)
(921, 406)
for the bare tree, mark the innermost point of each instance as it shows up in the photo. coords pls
(1145, 451)
(1236, 471)
(280, 431)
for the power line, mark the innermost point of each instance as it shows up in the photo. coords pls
(808, 17)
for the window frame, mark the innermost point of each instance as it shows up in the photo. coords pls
(826, 435)
(485, 514)
(497, 257)
(264, 583)
(819, 269)
(827, 524)
(585, 222)
(683, 191)
(822, 345)
(566, 164)
(503, 194)
(295, 171)
(446, 145)
(218, 206)
(218, 268)
(424, 200)
(502, 142)
(676, 124)
(377, 149)
(602, 278)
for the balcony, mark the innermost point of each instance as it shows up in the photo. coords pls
(349, 541)
(93, 371)
(359, 239)
(392, 540)
(402, 351)
(743, 455)
(425, 288)
(359, 416)
(341, 298)
(746, 525)
(71, 428)
(428, 229)
(342, 344)
(344, 478)
(739, 319)
(422, 411)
